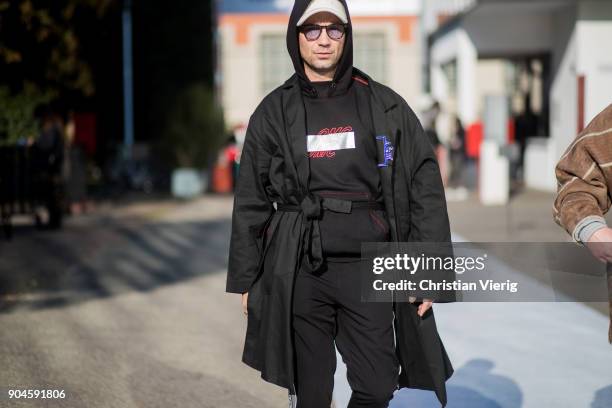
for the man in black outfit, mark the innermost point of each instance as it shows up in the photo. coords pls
(325, 147)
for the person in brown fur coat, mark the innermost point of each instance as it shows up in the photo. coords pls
(584, 175)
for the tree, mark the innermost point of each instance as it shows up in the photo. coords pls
(194, 126)
(40, 43)
(17, 119)
(41, 57)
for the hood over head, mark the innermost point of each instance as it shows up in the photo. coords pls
(343, 76)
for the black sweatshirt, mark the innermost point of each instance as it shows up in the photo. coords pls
(341, 146)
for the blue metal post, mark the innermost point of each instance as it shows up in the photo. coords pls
(128, 97)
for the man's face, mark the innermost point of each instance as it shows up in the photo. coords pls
(321, 55)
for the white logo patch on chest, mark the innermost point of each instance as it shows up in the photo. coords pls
(332, 141)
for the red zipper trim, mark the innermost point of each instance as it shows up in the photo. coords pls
(378, 221)
(361, 80)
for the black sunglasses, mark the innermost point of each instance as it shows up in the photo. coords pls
(313, 31)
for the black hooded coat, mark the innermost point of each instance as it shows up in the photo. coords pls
(268, 246)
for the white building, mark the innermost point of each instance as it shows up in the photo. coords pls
(568, 47)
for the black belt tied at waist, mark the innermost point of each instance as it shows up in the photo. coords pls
(311, 207)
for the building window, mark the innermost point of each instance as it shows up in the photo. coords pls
(370, 55)
(276, 66)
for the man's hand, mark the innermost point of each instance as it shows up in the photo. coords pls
(245, 297)
(600, 244)
(423, 307)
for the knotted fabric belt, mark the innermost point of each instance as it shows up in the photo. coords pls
(312, 207)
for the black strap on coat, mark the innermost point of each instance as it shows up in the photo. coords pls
(311, 207)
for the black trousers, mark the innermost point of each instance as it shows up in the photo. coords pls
(327, 306)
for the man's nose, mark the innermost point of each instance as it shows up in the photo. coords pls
(324, 38)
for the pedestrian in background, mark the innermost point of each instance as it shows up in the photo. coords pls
(430, 124)
(75, 169)
(457, 153)
(47, 164)
(430, 116)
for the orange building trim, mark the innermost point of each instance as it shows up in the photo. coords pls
(404, 23)
(242, 22)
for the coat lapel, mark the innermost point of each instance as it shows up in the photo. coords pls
(295, 129)
(386, 139)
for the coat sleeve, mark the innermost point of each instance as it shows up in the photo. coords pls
(583, 196)
(429, 223)
(252, 208)
(428, 212)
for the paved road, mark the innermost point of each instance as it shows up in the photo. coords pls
(127, 309)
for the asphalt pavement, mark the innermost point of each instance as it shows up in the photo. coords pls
(126, 307)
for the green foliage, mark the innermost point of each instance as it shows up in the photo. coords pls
(41, 39)
(17, 114)
(194, 126)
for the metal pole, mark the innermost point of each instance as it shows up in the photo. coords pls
(128, 97)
